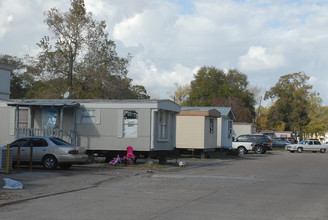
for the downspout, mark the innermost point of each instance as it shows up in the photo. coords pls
(31, 122)
(16, 121)
(152, 129)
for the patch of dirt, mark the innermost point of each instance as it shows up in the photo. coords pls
(8, 195)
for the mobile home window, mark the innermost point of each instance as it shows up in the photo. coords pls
(229, 128)
(88, 116)
(163, 125)
(130, 123)
(211, 125)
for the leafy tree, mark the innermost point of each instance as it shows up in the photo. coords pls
(261, 119)
(181, 93)
(293, 98)
(140, 92)
(319, 117)
(81, 57)
(213, 87)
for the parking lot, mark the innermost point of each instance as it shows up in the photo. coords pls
(276, 185)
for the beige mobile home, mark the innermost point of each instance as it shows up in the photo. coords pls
(103, 127)
(224, 124)
(197, 131)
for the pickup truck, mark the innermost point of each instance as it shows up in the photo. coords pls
(243, 147)
(309, 145)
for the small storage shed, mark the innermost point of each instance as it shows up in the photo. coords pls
(224, 124)
(197, 130)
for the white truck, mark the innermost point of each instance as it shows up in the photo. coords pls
(243, 147)
(309, 145)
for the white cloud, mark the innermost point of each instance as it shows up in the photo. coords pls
(257, 59)
(263, 39)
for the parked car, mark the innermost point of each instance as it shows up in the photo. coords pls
(243, 147)
(48, 151)
(262, 142)
(279, 143)
(309, 145)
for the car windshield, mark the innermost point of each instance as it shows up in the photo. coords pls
(303, 142)
(59, 141)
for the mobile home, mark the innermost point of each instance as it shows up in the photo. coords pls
(224, 124)
(103, 127)
(197, 131)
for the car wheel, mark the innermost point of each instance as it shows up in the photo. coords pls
(322, 150)
(299, 150)
(65, 166)
(49, 162)
(258, 149)
(263, 152)
(241, 150)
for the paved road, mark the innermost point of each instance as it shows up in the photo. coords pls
(277, 185)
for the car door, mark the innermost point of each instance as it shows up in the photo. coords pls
(309, 146)
(317, 145)
(40, 148)
(24, 144)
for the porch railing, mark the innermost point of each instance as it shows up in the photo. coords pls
(27, 132)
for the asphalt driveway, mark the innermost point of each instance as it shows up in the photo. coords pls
(277, 185)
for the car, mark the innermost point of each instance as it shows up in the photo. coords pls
(307, 145)
(279, 143)
(262, 142)
(48, 151)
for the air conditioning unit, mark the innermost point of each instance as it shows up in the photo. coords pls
(3, 159)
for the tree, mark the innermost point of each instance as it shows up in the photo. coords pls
(213, 87)
(181, 93)
(293, 98)
(318, 118)
(81, 57)
(140, 92)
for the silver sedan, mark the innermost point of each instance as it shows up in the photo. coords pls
(48, 151)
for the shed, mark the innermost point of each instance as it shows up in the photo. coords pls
(197, 130)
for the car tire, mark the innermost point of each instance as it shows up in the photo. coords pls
(241, 150)
(49, 162)
(322, 150)
(258, 149)
(65, 166)
(299, 150)
(263, 152)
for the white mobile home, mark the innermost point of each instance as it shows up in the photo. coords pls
(224, 124)
(240, 128)
(104, 127)
(5, 70)
(197, 131)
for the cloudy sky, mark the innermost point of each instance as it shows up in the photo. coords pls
(171, 39)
